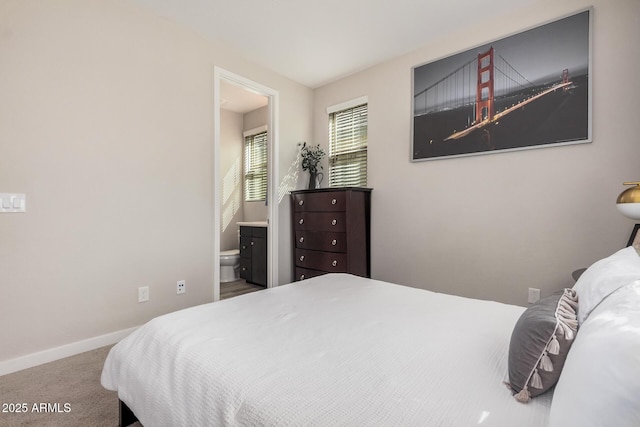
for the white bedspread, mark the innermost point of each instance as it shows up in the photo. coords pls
(335, 350)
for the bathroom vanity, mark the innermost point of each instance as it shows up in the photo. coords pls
(253, 252)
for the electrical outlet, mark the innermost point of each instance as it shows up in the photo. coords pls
(143, 294)
(181, 287)
(534, 295)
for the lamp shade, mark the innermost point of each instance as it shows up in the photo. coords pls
(628, 202)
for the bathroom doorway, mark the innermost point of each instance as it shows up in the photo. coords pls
(242, 109)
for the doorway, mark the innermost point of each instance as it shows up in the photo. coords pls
(243, 90)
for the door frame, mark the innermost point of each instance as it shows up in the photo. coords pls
(220, 74)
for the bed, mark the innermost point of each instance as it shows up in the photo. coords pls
(336, 350)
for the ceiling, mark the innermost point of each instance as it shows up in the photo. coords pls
(238, 99)
(316, 42)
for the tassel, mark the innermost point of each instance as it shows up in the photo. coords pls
(568, 333)
(523, 396)
(572, 301)
(545, 363)
(572, 323)
(571, 294)
(567, 306)
(567, 312)
(554, 346)
(536, 381)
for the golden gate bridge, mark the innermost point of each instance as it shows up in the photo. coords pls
(479, 84)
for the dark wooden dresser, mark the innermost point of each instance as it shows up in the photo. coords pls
(331, 229)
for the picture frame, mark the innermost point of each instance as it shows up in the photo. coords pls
(634, 239)
(531, 89)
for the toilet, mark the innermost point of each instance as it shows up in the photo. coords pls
(229, 265)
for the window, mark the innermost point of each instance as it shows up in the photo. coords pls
(348, 146)
(255, 166)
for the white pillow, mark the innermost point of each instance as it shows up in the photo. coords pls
(600, 381)
(604, 277)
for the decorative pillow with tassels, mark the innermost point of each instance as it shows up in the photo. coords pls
(540, 342)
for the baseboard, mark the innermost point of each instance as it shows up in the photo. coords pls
(56, 353)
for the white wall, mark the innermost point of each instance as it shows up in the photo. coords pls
(106, 124)
(231, 159)
(256, 118)
(491, 226)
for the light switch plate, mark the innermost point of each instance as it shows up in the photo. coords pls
(13, 202)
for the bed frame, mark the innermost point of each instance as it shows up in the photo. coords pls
(127, 417)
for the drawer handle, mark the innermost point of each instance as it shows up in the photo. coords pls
(334, 222)
(301, 239)
(244, 247)
(244, 268)
(334, 242)
(301, 221)
(301, 257)
(302, 277)
(334, 263)
(252, 243)
(334, 201)
(301, 202)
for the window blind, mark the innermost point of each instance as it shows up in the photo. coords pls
(255, 167)
(348, 147)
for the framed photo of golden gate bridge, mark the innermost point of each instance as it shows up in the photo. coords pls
(528, 90)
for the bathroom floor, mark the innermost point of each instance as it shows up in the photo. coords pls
(237, 287)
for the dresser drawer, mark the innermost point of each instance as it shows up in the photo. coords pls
(330, 262)
(321, 241)
(331, 201)
(305, 273)
(320, 221)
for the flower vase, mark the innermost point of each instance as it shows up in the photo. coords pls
(312, 180)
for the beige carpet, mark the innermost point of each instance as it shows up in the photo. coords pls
(74, 382)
